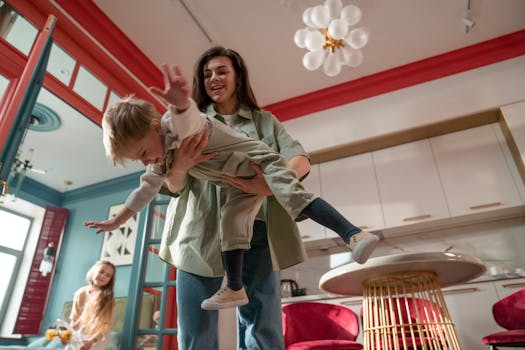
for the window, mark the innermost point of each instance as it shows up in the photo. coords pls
(12, 244)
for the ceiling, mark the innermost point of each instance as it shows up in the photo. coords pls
(175, 31)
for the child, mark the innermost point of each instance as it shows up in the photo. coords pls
(93, 308)
(133, 129)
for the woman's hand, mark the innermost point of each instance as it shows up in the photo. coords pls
(102, 226)
(255, 185)
(190, 153)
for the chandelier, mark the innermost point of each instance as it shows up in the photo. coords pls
(328, 38)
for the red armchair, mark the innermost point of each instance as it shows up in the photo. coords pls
(320, 326)
(509, 313)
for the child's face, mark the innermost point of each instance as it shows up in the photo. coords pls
(149, 149)
(220, 80)
(103, 274)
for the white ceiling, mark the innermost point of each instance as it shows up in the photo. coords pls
(402, 31)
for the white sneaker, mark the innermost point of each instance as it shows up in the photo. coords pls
(224, 299)
(362, 245)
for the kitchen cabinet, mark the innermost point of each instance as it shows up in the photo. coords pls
(409, 184)
(514, 119)
(350, 185)
(473, 171)
(309, 229)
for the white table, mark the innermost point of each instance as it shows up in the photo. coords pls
(403, 305)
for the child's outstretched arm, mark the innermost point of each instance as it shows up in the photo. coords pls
(110, 224)
(176, 88)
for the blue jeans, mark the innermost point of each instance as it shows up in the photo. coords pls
(259, 323)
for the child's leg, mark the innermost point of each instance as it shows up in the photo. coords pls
(324, 214)
(237, 216)
(232, 261)
(362, 244)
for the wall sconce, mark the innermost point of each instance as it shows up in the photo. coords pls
(47, 261)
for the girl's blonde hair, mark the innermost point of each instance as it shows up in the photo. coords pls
(96, 318)
(126, 121)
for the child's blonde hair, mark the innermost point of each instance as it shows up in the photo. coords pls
(126, 121)
(97, 317)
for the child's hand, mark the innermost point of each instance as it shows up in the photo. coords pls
(103, 226)
(176, 88)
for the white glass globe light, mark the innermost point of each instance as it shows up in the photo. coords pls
(352, 57)
(334, 8)
(307, 19)
(320, 16)
(351, 14)
(331, 67)
(314, 40)
(357, 38)
(337, 29)
(299, 37)
(313, 59)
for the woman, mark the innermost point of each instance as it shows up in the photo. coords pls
(191, 242)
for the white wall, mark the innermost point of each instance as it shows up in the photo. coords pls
(466, 93)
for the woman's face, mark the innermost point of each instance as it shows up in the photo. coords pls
(102, 275)
(220, 81)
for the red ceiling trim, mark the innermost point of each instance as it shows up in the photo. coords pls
(453, 62)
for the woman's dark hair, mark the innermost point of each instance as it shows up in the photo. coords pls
(243, 87)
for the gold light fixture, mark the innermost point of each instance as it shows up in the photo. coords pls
(328, 38)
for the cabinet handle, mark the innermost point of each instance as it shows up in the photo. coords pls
(461, 291)
(417, 218)
(483, 206)
(513, 285)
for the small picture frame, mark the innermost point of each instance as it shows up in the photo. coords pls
(119, 245)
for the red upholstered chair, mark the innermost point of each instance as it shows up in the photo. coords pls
(509, 313)
(320, 326)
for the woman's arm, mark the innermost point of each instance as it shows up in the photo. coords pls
(257, 184)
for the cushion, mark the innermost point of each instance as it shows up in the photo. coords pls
(149, 305)
(325, 345)
(514, 336)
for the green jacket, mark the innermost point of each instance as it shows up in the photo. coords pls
(191, 239)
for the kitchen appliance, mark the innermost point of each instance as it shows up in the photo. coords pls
(290, 288)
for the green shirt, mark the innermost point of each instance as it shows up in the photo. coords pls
(191, 239)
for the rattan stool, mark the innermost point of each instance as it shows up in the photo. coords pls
(406, 311)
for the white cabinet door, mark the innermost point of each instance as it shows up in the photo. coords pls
(470, 308)
(505, 288)
(473, 171)
(514, 116)
(309, 229)
(409, 184)
(349, 184)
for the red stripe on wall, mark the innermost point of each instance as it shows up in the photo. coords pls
(453, 62)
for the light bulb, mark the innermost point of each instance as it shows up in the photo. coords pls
(357, 38)
(320, 16)
(299, 37)
(352, 57)
(334, 8)
(313, 59)
(331, 67)
(314, 40)
(307, 19)
(337, 29)
(351, 14)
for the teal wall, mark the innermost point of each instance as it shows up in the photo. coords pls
(81, 246)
